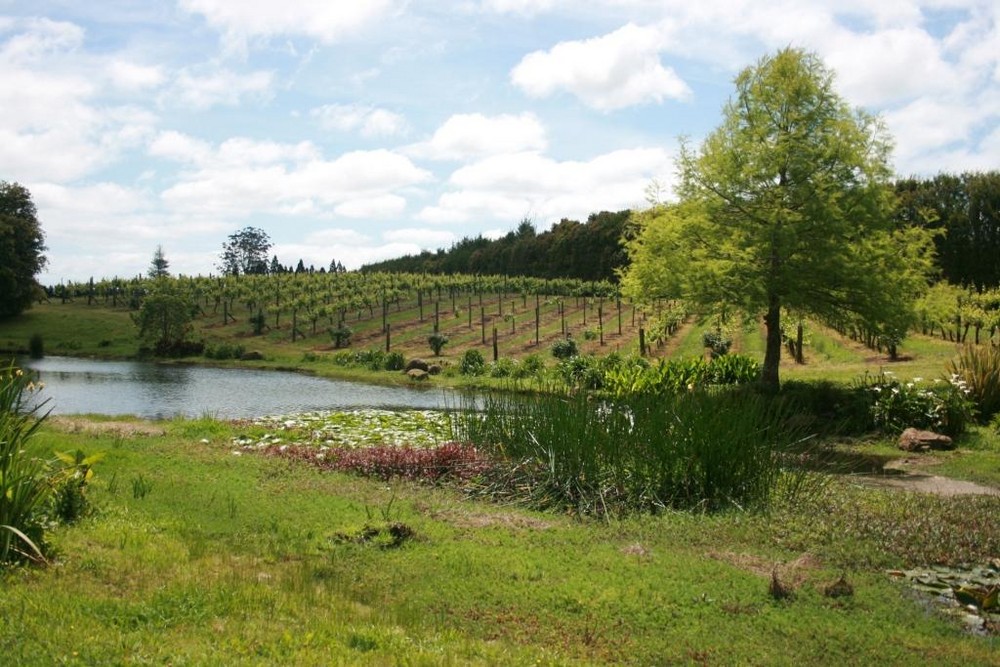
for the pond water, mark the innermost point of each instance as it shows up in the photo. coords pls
(75, 386)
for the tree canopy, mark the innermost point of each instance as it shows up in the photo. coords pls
(245, 252)
(159, 266)
(786, 206)
(21, 246)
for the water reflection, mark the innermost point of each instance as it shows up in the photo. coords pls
(156, 392)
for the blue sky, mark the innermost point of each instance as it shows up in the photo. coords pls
(363, 130)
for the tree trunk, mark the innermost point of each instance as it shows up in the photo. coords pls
(772, 353)
(799, 335)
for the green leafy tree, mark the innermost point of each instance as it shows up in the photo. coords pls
(158, 268)
(21, 246)
(787, 205)
(245, 252)
(164, 320)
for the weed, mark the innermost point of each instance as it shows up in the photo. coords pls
(141, 487)
(979, 367)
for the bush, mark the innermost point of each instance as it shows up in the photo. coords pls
(717, 342)
(979, 367)
(224, 351)
(394, 361)
(437, 341)
(564, 348)
(503, 368)
(472, 363)
(373, 360)
(942, 406)
(582, 372)
(341, 336)
(530, 366)
(36, 346)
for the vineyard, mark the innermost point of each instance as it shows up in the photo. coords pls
(311, 318)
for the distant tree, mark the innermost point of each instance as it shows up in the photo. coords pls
(787, 206)
(245, 252)
(300, 267)
(21, 247)
(164, 320)
(158, 267)
(276, 266)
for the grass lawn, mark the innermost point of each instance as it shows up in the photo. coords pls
(197, 555)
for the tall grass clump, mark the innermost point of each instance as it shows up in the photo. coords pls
(694, 450)
(24, 484)
(979, 367)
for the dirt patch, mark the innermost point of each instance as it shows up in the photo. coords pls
(125, 429)
(793, 573)
(924, 483)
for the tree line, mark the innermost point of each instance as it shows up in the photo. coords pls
(590, 250)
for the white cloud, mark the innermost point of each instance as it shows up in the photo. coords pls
(242, 177)
(321, 19)
(134, 77)
(465, 136)
(219, 87)
(610, 72)
(431, 239)
(369, 121)
(509, 187)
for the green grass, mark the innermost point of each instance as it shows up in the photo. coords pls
(235, 559)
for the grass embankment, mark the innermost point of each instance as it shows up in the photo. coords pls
(196, 555)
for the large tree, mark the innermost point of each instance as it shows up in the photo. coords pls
(786, 206)
(21, 246)
(159, 266)
(245, 252)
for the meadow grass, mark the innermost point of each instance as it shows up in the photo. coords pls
(242, 559)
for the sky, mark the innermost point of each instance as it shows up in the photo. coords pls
(359, 131)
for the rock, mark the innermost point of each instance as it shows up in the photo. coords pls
(418, 364)
(434, 369)
(251, 356)
(417, 374)
(838, 589)
(915, 440)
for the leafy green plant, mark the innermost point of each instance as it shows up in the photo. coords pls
(979, 367)
(941, 406)
(141, 487)
(24, 482)
(504, 367)
(70, 484)
(341, 336)
(717, 342)
(530, 366)
(472, 362)
(394, 361)
(564, 348)
(437, 341)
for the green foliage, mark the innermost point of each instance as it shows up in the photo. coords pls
(36, 346)
(164, 321)
(978, 366)
(564, 348)
(21, 246)
(940, 406)
(158, 267)
(530, 366)
(394, 361)
(70, 484)
(341, 336)
(437, 341)
(504, 367)
(245, 252)
(717, 342)
(786, 205)
(25, 486)
(670, 376)
(472, 362)
(693, 450)
(224, 351)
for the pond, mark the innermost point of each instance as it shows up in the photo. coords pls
(153, 391)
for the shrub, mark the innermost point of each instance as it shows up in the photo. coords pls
(717, 342)
(472, 363)
(394, 361)
(590, 334)
(503, 368)
(341, 336)
(582, 372)
(224, 351)
(942, 406)
(373, 360)
(530, 366)
(979, 367)
(36, 346)
(24, 483)
(437, 341)
(564, 348)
